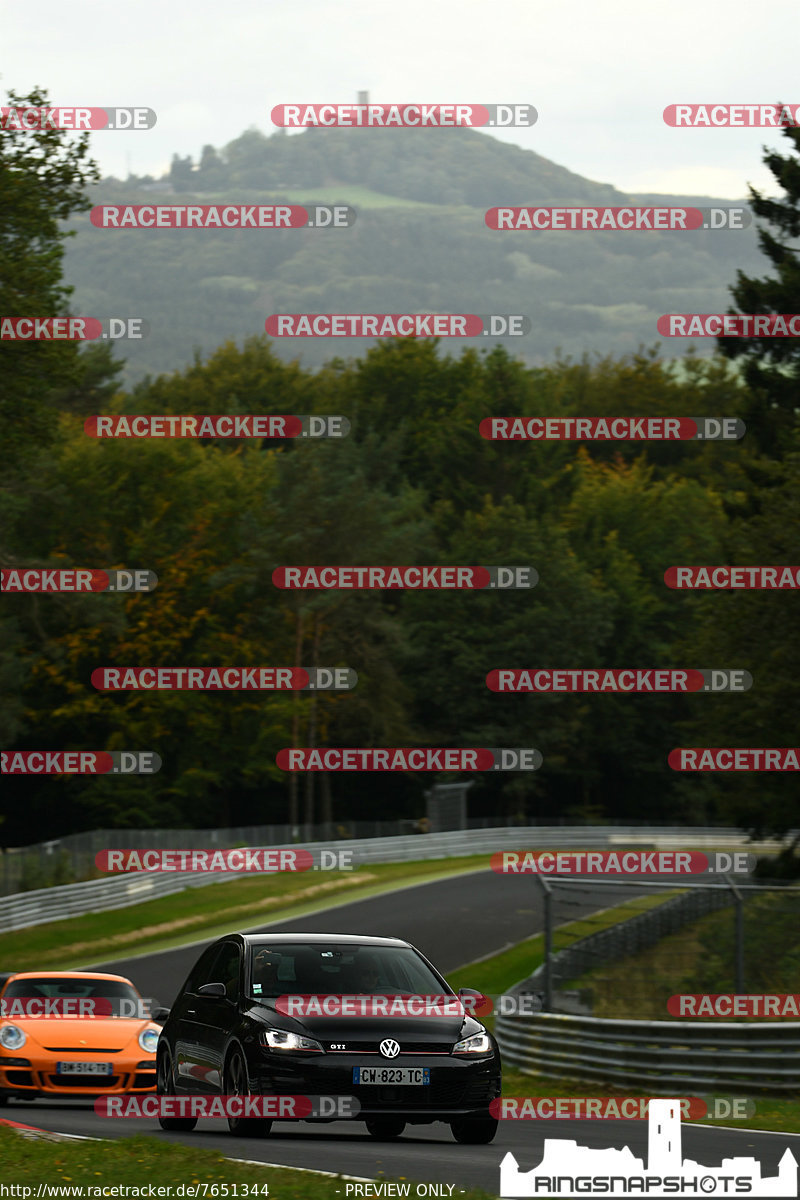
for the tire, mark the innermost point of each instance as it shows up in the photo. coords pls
(385, 1129)
(165, 1086)
(3, 1100)
(236, 1085)
(478, 1132)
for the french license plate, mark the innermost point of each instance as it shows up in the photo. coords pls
(389, 1075)
(84, 1068)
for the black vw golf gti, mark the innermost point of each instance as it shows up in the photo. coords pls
(316, 1014)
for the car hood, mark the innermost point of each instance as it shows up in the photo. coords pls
(440, 1029)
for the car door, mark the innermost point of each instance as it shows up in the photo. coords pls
(215, 1016)
(193, 1062)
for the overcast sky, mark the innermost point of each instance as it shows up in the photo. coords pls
(599, 72)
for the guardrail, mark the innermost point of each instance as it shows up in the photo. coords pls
(25, 909)
(659, 1057)
(627, 937)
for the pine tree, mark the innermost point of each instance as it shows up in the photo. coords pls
(772, 365)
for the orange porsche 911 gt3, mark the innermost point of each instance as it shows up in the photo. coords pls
(74, 1033)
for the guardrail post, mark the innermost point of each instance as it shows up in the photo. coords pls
(548, 943)
(739, 919)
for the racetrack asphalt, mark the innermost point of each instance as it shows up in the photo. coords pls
(452, 921)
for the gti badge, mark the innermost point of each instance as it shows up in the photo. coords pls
(389, 1048)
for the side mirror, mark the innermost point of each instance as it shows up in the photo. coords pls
(213, 989)
(159, 1015)
(475, 1002)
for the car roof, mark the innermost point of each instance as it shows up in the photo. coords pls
(334, 939)
(66, 975)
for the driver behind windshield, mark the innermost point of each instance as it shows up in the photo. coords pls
(265, 973)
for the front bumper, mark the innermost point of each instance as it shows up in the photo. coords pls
(458, 1088)
(35, 1075)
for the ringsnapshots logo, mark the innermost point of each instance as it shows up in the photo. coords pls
(634, 218)
(75, 579)
(79, 762)
(382, 325)
(459, 578)
(28, 118)
(568, 1169)
(658, 680)
(239, 860)
(250, 425)
(414, 758)
(403, 116)
(611, 429)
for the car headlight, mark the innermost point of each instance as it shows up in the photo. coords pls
(477, 1044)
(148, 1040)
(281, 1039)
(12, 1037)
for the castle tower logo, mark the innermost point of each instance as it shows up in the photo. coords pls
(568, 1169)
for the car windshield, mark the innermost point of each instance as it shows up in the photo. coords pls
(329, 970)
(115, 996)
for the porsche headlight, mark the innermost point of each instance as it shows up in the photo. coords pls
(148, 1040)
(281, 1039)
(477, 1044)
(12, 1037)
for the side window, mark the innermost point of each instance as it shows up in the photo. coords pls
(201, 972)
(227, 968)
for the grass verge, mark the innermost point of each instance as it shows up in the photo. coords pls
(140, 1161)
(208, 911)
(495, 975)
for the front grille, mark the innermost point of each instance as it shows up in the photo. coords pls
(86, 1049)
(144, 1080)
(405, 1048)
(97, 1083)
(20, 1078)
